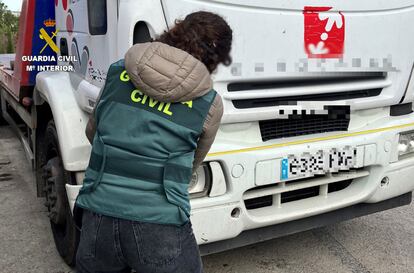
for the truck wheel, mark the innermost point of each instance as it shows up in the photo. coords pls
(2, 120)
(65, 235)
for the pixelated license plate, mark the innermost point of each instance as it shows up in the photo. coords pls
(322, 162)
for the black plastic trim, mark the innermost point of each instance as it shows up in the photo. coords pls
(256, 85)
(292, 100)
(300, 124)
(401, 109)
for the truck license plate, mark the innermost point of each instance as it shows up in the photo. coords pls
(319, 163)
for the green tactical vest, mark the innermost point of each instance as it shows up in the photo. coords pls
(142, 155)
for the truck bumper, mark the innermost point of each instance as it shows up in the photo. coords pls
(284, 229)
(382, 177)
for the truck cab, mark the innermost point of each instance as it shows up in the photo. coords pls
(318, 117)
(98, 33)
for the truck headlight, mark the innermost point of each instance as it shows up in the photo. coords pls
(201, 182)
(406, 143)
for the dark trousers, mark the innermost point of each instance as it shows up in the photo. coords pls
(114, 245)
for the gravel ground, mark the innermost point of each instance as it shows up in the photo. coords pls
(379, 243)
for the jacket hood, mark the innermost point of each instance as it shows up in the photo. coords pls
(166, 73)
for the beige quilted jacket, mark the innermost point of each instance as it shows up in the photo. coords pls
(168, 74)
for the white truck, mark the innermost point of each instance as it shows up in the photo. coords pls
(318, 124)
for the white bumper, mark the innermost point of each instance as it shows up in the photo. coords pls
(215, 219)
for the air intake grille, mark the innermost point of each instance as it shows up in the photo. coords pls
(307, 86)
(297, 125)
(292, 195)
(267, 102)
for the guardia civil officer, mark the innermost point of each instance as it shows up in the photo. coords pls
(154, 123)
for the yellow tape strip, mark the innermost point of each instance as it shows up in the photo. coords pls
(317, 139)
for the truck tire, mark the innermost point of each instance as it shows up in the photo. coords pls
(2, 120)
(65, 234)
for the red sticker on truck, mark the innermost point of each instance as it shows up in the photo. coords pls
(324, 32)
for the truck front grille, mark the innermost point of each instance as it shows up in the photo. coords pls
(291, 196)
(295, 195)
(337, 119)
(260, 202)
(290, 91)
(280, 101)
(278, 195)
